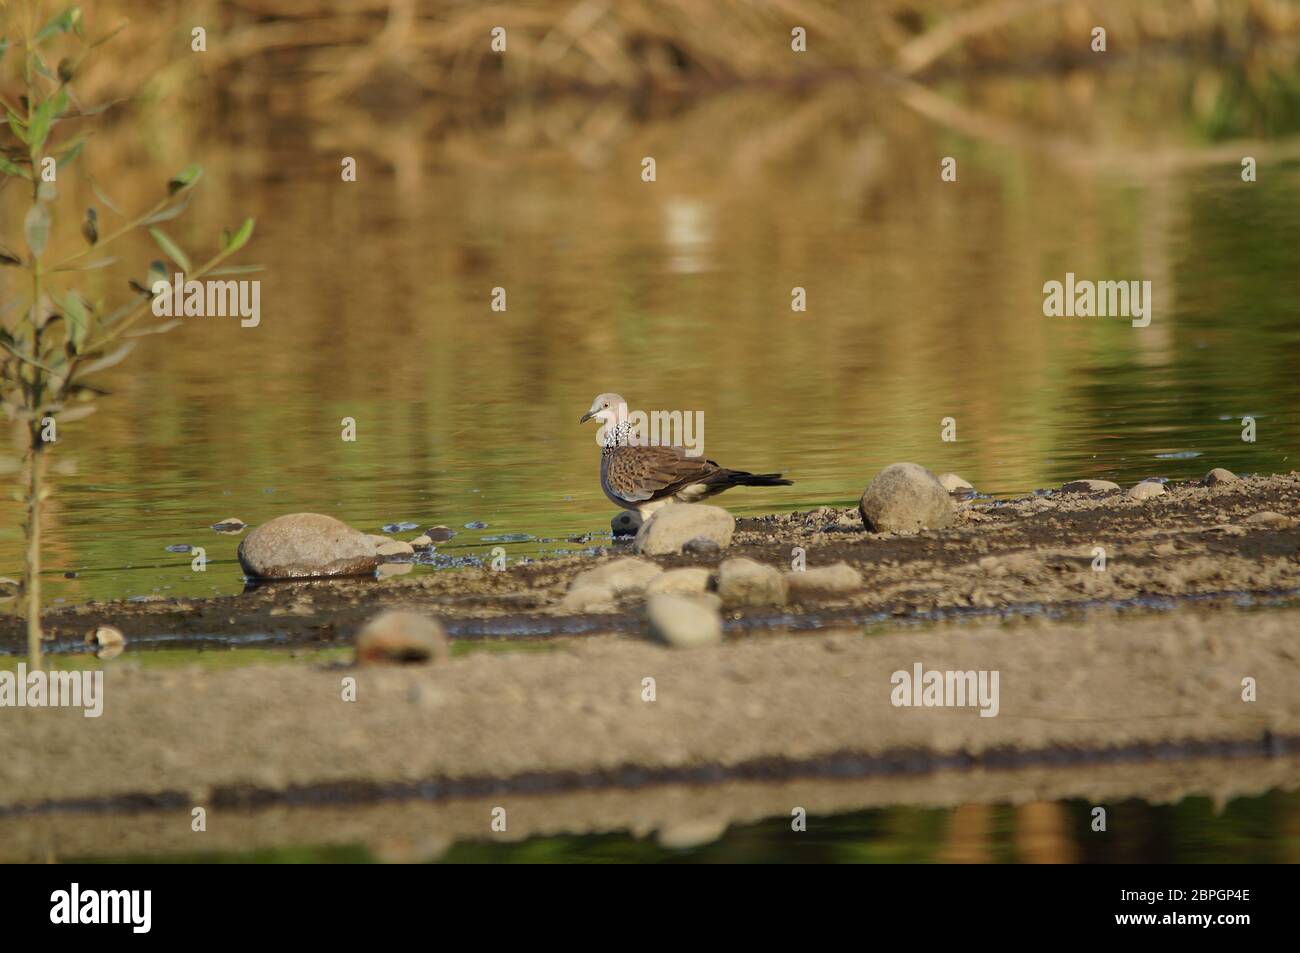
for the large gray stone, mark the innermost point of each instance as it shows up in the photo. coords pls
(669, 529)
(905, 497)
(306, 544)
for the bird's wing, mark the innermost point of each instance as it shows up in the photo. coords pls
(640, 474)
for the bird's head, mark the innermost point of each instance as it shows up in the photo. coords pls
(609, 409)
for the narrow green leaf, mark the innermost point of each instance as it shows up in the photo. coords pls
(69, 19)
(43, 68)
(96, 110)
(9, 167)
(36, 228)
(236, 270)
(232, 243)
(26, 357)
(99, 193)
(167, 214)
(89, 265)
(40, 127)
(171, 249)
(76, 413)
(16, 125)
(109, 360)
(60, 101)
(184, 179)
(75, 312)
(156, 329)
(67, 152)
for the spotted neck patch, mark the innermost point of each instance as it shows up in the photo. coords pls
(616, 437)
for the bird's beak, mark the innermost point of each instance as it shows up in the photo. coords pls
(587, 416)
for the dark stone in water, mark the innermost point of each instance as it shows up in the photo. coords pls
(477, 524)
(440, 534)
(178, 548)
(399, 527)
(507, 538)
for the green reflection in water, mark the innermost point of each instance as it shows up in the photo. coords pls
(1255, 830)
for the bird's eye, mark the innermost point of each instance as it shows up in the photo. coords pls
(606, 405)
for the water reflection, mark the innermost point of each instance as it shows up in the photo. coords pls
(1261, 829)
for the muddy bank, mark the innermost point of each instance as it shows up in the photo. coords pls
(1153, 685)
(1020, 556)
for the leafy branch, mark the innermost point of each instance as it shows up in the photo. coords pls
(62, 338)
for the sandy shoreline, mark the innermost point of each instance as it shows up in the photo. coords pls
(1174, 678)
(1097, 703)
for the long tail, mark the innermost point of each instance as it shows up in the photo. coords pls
(742, 478)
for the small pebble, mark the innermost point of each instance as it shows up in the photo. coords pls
(701, 546)
(1219, 475)
(109, 642)
(1090, 486)
(683, 621)
(394, 547)
(953, 483)
(1146, 490)
(402, 637)
(626, 523)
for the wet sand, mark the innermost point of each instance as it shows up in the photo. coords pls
(758, 709)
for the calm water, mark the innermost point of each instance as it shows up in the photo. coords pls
(924, 302)
(1262, 829)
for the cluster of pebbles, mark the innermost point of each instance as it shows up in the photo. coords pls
(680, 605)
